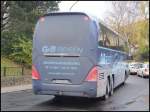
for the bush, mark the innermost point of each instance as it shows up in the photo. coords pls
(16, 47)
(21, 51)
(7, 40)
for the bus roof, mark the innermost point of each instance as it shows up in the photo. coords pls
(66, 13)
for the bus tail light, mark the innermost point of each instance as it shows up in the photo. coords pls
(92, 76)
(86, 18)
(35, 73)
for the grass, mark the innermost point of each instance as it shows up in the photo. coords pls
(12, 69)
(8, 63)
(13, 73)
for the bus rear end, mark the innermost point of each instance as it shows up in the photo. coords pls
(65, 55)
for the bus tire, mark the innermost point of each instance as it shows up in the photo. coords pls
(111, 87)
(57, 98)
(105, 97)
(125, 76)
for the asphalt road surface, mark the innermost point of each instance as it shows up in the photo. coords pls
(134, 95)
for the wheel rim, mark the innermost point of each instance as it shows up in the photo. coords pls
(106, 96)
(112, 88)
(125, 78)
(107, 91)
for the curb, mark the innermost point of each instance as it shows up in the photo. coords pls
(16, 88)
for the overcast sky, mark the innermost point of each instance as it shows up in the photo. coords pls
(96, 8)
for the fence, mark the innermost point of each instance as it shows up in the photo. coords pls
(13, 71)
(15, 76)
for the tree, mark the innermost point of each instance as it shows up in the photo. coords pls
(124, 19)
(4, 14)
(24, 14)
(16, 41)
(144, 9)
(123, 14)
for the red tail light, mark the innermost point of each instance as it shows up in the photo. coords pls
(35, 73)
(86, 18)
(92, 76)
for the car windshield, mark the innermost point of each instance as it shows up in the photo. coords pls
(137, 65)
(146, 65)
(140, 65)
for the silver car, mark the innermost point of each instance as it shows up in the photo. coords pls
(143, 70)
(134, 67)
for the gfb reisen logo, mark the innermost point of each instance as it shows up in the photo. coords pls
(61, 49)
(51, 49)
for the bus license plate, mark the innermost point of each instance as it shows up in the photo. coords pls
(61, 81)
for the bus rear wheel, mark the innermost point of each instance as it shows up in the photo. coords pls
(111, 88)
(125, 77)
(57, 98)
(105, 97)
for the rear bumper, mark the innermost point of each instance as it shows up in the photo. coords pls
(133, 71)
(146, 74)
(87, 89)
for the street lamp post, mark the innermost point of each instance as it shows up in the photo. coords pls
(72, 5)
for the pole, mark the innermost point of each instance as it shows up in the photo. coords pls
(22, 70)
(72, 5)
(4, 71)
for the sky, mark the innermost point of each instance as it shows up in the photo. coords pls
(96, 8)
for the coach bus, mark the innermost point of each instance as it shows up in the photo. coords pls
(76, 55)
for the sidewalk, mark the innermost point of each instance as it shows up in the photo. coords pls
(15, 88)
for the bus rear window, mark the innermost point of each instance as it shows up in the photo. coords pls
(65, 27)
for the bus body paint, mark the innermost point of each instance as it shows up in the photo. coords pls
(65, 50)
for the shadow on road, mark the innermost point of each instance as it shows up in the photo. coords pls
(77, 103)
(125, 96)
(80, 103)
(72, 103)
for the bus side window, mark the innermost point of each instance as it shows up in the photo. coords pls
(111, 40)
(103, 39)
(100, 39)
(121, 44)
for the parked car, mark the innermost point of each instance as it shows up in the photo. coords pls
(133, 67)
(143, 70)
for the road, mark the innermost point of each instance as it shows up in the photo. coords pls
(134, 96)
